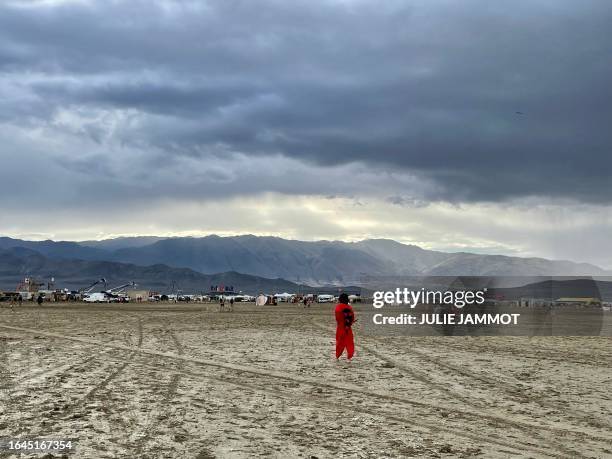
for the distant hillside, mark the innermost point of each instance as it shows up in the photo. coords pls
(17, 263)
(313, 263)
(556, 288)
(121, 242)
(59, 249)
(333, 262)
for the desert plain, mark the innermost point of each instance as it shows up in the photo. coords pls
(187, 381)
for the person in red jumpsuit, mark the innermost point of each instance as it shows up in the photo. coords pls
(345, 318)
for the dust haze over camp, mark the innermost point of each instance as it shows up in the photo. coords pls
(450, 125)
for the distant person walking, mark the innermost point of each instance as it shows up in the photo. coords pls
(232, 304)
(345, 318)
(39, 300)
(221, 303)
(20, 300)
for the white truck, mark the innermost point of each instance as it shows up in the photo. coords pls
(98, 297)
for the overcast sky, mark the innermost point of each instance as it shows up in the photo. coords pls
(455, 125)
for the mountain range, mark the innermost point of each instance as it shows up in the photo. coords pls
(17, 263)
(315, 263)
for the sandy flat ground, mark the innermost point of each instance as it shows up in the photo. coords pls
(186, 381)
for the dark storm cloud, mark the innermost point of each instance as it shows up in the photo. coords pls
(487, 100)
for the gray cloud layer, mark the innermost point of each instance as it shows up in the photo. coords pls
(320, 118)
(429, 88)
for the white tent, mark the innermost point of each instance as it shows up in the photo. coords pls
(261, 300)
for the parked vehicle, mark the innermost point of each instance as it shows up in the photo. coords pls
(325, 298)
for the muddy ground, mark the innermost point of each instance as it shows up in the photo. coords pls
(186, 381)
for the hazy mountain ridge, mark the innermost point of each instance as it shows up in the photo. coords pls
(56, 249)
(121, 242)
(334, 262)
(17, 263)
(313, 263)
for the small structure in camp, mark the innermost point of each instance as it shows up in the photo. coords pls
(138, 296)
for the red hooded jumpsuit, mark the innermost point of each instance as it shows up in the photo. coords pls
(345, 317)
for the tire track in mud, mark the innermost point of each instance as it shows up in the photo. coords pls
(422, 377)
(555, 350)
(125, 363)
(70, 411)
(170, 393)
(421, 425)
(140, 332)
(269, 374)
(58, 371)
(329, 404)
(512, 391)
(116, 373)
(526, 427)
(77, 362)
(77, 365)
(587, 360)
(176, 379)
(104, 383)
(6, 379)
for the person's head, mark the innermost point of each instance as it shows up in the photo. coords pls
(343, 298)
